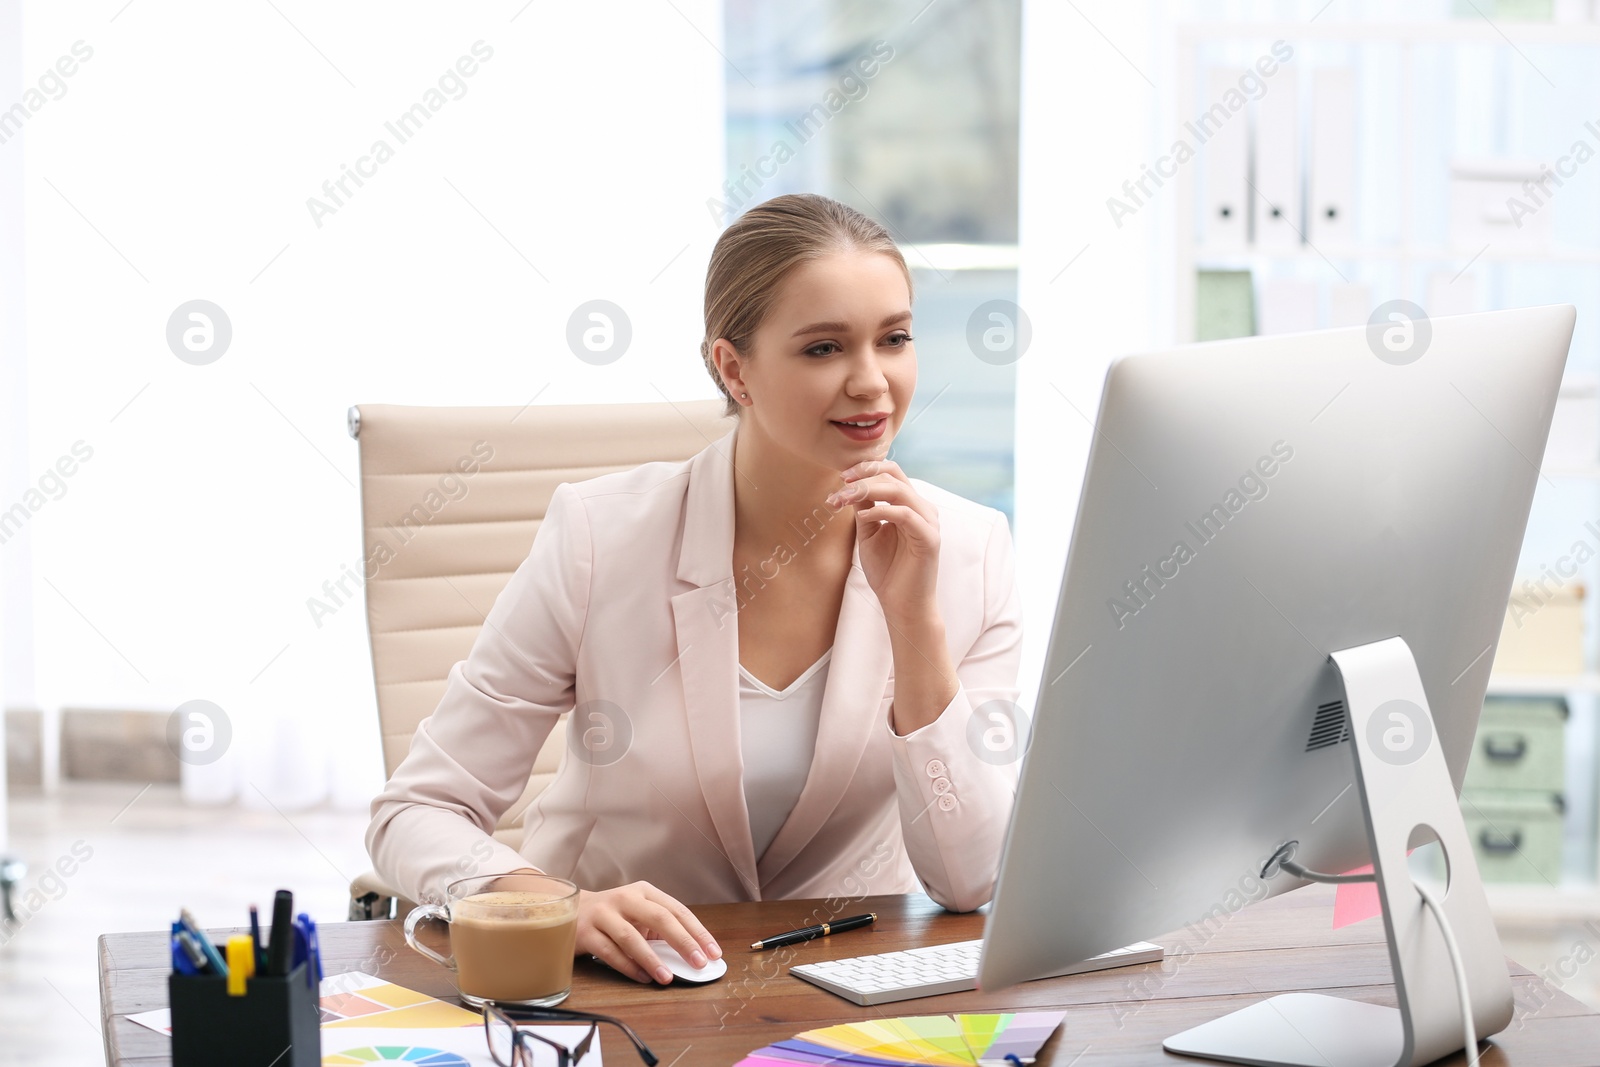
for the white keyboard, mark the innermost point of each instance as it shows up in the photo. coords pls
(936, 969)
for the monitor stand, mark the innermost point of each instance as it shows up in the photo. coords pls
(1404, 784)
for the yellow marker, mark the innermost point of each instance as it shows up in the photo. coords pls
(241, 963)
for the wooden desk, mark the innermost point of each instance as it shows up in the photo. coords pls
(1113, 1017)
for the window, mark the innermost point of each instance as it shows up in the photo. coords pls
(911, 117)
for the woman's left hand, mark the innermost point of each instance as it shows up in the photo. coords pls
(897, 533)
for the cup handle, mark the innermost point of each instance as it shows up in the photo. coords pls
(420, 915)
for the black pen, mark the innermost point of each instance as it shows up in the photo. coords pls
(255, 936)
(807, 933)
(279, 954)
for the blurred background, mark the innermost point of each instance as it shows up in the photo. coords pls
(356, 218)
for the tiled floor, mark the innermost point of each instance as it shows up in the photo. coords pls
(226, 858)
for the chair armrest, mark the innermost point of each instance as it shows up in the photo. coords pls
(372, 898)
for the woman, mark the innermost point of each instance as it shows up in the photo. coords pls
(786, 644)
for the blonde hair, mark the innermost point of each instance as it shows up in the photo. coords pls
(756, 253)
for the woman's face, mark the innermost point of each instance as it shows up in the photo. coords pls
(836, 349)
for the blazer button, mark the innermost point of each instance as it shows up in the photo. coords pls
(936, 768)
(947, 802)
(941, 786)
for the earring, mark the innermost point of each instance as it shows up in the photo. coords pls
(744, 396)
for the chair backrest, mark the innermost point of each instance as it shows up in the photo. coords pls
(450, 501)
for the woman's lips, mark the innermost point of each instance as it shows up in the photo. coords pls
(863, 433)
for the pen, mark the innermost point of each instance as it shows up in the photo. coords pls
(191, 949)
(255, 936)
(306, 949)
(806, 933)
(182, 962)
(280, 948)
(192, 928)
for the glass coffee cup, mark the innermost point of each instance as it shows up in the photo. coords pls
(511, 937)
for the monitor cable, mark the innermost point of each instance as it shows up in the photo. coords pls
(1283, 860)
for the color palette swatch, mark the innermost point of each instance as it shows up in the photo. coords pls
(411, 1057)
(354, 999)
(929, 1040)
(446, 1046)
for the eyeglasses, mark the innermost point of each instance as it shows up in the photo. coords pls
(512, 1046)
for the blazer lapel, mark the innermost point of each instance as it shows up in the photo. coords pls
(852, 708)
(708, 653)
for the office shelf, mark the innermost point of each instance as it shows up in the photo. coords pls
(1502, 33)
(1587, 471)
(1568, 902)
(1206, 255)
(1406, 253)
(1406, 257)
(1545, 684)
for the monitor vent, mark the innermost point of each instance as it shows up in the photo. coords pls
(1329, 727)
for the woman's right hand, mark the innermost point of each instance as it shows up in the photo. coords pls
(614, 925)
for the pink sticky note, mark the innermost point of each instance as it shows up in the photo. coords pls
(1355, 901)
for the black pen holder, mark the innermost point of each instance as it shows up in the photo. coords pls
(277, 1023)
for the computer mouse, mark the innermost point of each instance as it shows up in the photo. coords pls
(684, 971)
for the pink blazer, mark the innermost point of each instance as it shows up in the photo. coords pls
(628, 597)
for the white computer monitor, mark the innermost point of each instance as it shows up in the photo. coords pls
(1251, 508)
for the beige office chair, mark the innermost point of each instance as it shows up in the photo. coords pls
(450, 501)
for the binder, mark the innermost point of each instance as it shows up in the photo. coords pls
(1449, 295)
(1500, 201)
(1227, 158)
(1288, 305)
(1333, 170)
(1278, 222)
(1571, 11)
(1574, 429)
(1349, 304)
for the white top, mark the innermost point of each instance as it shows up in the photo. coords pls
(777, 736)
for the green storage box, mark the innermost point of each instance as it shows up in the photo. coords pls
(1509, 10)
(1224, 305)
(1515, 836)
(1520, 745)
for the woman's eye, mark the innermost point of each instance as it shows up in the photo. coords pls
(827, 348)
